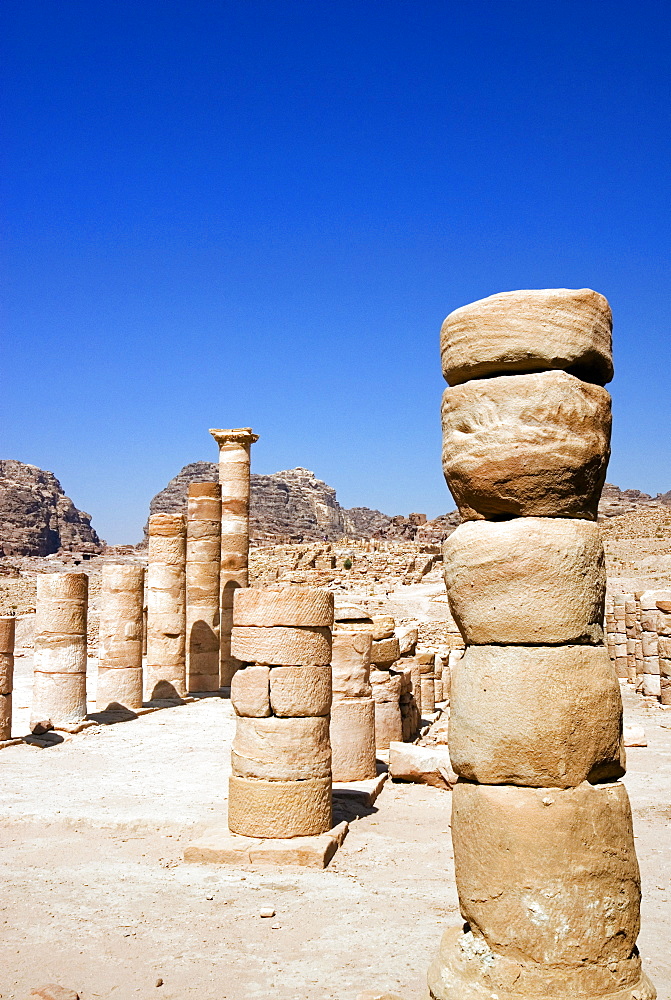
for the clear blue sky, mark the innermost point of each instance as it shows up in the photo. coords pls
(259, 213)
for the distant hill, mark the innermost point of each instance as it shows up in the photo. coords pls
(294, 505)
(37, 518)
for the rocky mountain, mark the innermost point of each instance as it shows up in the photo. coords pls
(615, 502)
(37, 518)
(293, 505)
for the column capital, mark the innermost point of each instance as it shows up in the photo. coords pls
(234, 435)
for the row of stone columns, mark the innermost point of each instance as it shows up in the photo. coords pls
(544, 855)
(638, 630)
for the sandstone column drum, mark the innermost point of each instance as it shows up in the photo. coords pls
(281, 755)
(7, 630)
(203, 556)
(120, 637)
(234, 460)
(544, 855)
(166, 607)
(59, 673)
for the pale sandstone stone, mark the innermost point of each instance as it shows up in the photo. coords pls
(650, 685)
(568, 891)
(529, 580)
(281, 749)
(350, 612)
(300, 691)
(388, 724)
(350, 664)
(295, 606)
(467, 969)
(352, 731)
(281, 645)
(407, 641)
(385, 686)
(119, 688)
(6, 716)
(203, 559)
(234, 463)
(536, 715)
(384, 652)
(258, 808)
(526, 445)
(59, 680)
(428, 694)
(59, 697)
(120, 636)
(421, 765)
(383, 627)
(166, 607)
(524, 331)
(250, 691)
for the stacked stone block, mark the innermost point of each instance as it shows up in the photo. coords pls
(120, 637)
(544, 854)
(353, 709)
(649, 623)
(281, 757)
(203, 556)
(234, 478)
(59, 665)
(7, 631)
(166, 607)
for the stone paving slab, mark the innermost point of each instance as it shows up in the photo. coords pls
(219, 846)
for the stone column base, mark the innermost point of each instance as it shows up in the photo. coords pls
(220, 847)
(466, 969)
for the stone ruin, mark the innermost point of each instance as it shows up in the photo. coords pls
(545, 863)
(544, 854)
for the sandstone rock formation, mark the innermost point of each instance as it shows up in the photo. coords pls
(295, 505)
(37, 518)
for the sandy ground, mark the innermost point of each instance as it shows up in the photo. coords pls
(95, 894)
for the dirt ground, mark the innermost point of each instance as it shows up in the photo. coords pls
(96, 897)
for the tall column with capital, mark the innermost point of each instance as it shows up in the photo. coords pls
(234, 447)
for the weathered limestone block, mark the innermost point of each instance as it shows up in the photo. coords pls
(528, 580)
(350, 664)
(258, 808)
(120, 636)
(536, 715)
(530, 330)
(203, 558)
(428, 694)
(526, 445)
(59, 681)
(353, 739)
(549, 874)
(421, 765)
(250, 691)
(281, 645)
(166, 607)
(300, 691)
(384, 652)
(295, 606)
(282, 749)
(388, 724)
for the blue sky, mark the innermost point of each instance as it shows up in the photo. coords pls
(259, 213)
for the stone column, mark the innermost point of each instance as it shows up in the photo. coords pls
(166, 607)
(234, 459)
(7, 629)
(545, 863)
(353, 708)
(281, 755)
(59, 664)
(120, 641)
(203, 555)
